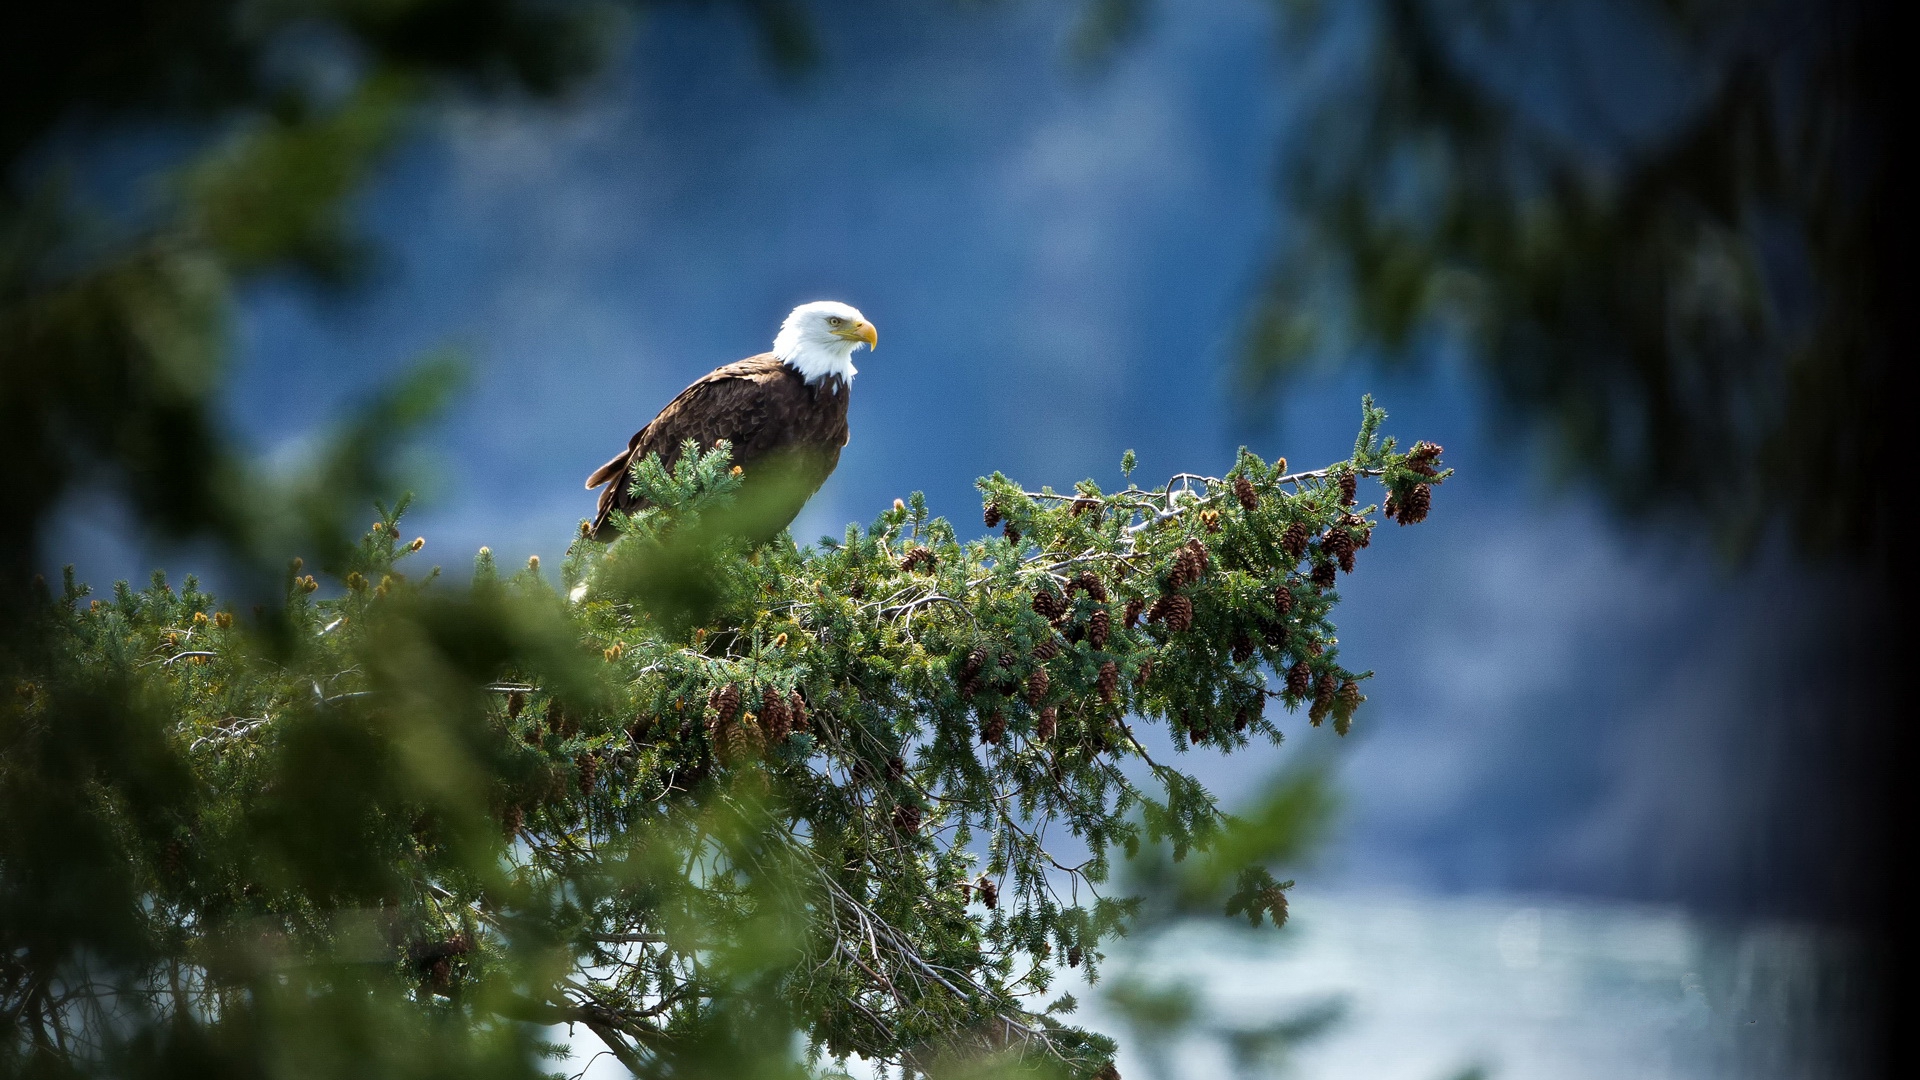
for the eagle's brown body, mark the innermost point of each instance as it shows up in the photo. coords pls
(786, 437)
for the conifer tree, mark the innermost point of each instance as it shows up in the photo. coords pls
(697, 799)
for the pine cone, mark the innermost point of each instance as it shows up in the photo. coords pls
(1392, 507)
(1419, 501)
(798, 713)
(1323, 575)
(970, 670)
(726, 702)
(1099, 625)
(1240, 721)
(1134, 607)
(1339, 543)
(1173, 611)
(992, 515)
(1210, 518)
(589, 767)
(1048, 724)
(1012, 534)
(1293, 540)
(989, 892)
(915, 559)
(1037, 685)
(512, 820)
(1145, 672)
(1349, 487)
(1274, 633)
(994, 729)
(516, 701)
(1275, 902)
(558, 722)
(776, 715)
(1422, 457)
(1243, 490)
(1299, 679)
(1074, 956)
(1047, 648)
(1282, 600)
(1049, 605)
(1108, 681)
(1084, 504)
(1091, 582)
(1326, 688)
(1242, 648)
(1345, 701)
(906, 818)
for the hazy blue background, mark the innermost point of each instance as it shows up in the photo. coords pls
(1059, 262)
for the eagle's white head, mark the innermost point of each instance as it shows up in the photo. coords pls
(818, 339)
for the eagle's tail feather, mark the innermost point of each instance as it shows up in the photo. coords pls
(610, 471)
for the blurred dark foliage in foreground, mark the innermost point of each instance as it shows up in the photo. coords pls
(1667, 233)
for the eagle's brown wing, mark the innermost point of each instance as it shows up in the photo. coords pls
(751, 402)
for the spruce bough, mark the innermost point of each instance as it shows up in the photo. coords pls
(870, 791)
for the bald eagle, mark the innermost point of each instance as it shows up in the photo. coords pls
(785, 412)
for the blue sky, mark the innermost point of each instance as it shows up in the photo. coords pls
(1059, 263)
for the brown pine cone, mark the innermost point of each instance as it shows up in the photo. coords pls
(917, 558)
(1282, 600)
(1134, 607)
(1099, 625)
(1211, 519)
(1108, 681)
(1274, 633)
(1345, 701)
(589, 767)
(1173, 611)
(516, 701)
(1293, 540)
(1091, 582)
(1037, 685)
(1419, 501)
(992, 515)
(1339, 543)
(1074, 956)
(726, 702)
(994, 729)
(989, 892)
(1299, 679)
(1318, 712)
(1323, 575)
(906, 818)
(1243, 490)
(1421, 458)
(1240, 721)
(1349, 487)
(1012, 534)
(970, 669)
(1047, 725)
(797, 713)
(1049, 605)
(1047, 648)
(1242, 648)
(1392, 507)
(776, 715)
(1145, 672)
(1325, 688)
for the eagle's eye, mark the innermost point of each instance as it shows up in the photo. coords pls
(834, 320)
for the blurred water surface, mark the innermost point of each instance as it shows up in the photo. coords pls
(1522, 988)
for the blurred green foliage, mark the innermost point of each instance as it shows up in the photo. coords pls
(1665, 233)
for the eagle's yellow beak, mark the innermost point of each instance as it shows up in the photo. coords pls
(861, 331)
